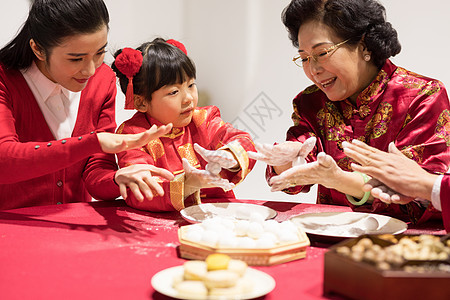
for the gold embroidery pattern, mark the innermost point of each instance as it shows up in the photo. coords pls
(120, 129)
(414, 152)
(199, 116)
(296, 116)
(347, 110)
(175, 132)
(187, 151)
(310, 89)
(443, 126)
(378, 125)
(407, 119)
(155, 148)
(431, 88)
(344, 163)
(331, 123)
(375, 88)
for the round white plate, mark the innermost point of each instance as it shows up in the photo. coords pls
(240, 211)
(162, 282)
(348, 224)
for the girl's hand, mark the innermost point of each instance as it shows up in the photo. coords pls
(284, 153)
(197, 179)
(216, 159)
(139, 178)
(324, 171)
(115, 143)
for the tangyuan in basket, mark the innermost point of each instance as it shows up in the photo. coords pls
(263, 242)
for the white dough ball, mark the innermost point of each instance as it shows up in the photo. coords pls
(241, 227)
(255, 230)
(271, 226)
(193, 236)
(265, 242)
(256, 217)
(228, 242)
(288, 237)
(246, 242)
(288, 226)
(242, 213)
(209, 238)
(269, 236)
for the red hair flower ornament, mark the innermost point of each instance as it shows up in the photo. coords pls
(177, 44)
(129, 62)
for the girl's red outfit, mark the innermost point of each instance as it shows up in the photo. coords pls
(206, 129)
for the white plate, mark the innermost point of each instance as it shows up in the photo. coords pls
(348, 224)
(240, 211)
(162, 282)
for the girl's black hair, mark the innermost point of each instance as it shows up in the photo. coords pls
(163, 64)
(48, 23)
(349, 19)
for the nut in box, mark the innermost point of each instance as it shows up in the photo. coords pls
(261, 243)
(389, 267)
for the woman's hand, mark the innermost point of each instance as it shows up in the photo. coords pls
(139, 178)
(393, 169)
(197, 179)
(384, 193)
(217, 159)
(324, 171)
(284, 153)
(115, 143)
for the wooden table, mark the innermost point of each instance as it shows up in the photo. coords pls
(107, 250)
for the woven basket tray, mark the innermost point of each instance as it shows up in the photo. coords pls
(253, 257)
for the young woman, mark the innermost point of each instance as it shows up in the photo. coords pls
(57, 103)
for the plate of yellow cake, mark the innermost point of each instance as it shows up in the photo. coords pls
(217, 277)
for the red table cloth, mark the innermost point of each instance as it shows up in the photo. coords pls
(107, 250)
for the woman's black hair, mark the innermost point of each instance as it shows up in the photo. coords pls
(163, 64)
(349, 19)
(48, 23)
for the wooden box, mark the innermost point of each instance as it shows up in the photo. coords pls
(253, 257)
(361, 280)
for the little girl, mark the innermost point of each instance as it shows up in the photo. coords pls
(158, 79)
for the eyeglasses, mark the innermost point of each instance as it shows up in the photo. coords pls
(319, 56)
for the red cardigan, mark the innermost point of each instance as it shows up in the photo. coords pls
(36, 169)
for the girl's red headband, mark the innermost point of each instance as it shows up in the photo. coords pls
(129, 62)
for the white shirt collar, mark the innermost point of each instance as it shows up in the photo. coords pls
(44, 86)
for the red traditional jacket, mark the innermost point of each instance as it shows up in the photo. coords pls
(36, 169)
(400, 106)
(445, 201)
(206, 129)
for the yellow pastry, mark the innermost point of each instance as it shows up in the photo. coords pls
(217, 261)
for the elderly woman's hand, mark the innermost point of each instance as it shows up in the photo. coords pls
(284, 153)
(397, 172)
(324, 171)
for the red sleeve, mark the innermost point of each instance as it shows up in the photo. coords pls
(445, 201)
(20, 119)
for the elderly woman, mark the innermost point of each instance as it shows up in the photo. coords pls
(344, 48)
